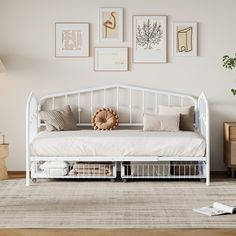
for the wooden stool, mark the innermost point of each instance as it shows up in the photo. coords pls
(3, 155)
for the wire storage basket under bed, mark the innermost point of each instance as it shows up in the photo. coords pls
(163, 170)
(76, 170)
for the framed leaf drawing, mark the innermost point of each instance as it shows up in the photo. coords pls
(111, 24)
(72, 39)
(149, 39)
(185, 39)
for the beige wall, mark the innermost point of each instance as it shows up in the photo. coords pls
(27, 50)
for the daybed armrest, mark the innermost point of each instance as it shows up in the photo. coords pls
(203, 127)
(31, 128)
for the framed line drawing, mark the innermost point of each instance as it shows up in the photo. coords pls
(72, 39)
(111, 24)
(149, 39)
(185, 39)
(110, 59)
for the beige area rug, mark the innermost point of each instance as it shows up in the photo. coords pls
(94, 204)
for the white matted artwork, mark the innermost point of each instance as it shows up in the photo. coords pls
(111, 24)
(110, 59)
(185, 39)
(149, 39)
(72, 39)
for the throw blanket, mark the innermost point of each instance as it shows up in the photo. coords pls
(56, 172)
(91, 169)
(54, 168)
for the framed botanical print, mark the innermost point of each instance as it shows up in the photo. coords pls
(110, 59)
(149, 39)
(185, 39)
(111, 24)
(72, 39)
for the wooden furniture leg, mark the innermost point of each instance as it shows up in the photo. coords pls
(3, 156)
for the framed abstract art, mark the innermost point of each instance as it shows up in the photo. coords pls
(72, 39)
(185, 39)
(111, 24)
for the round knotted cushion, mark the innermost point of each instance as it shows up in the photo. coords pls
(105, 119)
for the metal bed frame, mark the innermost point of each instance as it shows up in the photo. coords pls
(150, 99)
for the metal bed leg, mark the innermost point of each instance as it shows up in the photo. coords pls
(207, 174)
(27, 181)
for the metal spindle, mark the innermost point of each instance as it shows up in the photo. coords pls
(91, 103)
(78, 101)
(130, 106)
(156, 103)
(169, 100)
(117, 100)
(104, 98)
(53, 103)
(182, 101)
(143, 102)
(66, 100)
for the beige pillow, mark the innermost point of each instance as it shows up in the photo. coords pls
(160, 122)
(59, 119)
(105, 119)
(187, 115)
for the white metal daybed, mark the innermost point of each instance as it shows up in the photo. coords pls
(192, 158)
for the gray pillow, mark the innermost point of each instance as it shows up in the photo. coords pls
(187, 120)
(59, 119)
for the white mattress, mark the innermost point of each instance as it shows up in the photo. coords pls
(118, 143)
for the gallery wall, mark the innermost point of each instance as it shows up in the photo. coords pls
(27, 49)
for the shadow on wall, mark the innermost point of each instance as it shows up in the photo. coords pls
(3, 70)
(219, 113)
(17, 63)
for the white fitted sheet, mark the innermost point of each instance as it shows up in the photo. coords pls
(118, 143)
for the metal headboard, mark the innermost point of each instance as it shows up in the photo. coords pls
(143, 93)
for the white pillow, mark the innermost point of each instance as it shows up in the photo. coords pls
(160, 122)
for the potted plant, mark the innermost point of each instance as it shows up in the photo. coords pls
(229, 63)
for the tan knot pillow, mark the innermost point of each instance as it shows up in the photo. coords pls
(105, 119)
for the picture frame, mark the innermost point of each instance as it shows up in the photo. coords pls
(111, 59)
(110, 24)
(149, 47)
(185, 39)
(71, 39)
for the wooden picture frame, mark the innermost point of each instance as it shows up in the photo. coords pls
(149, 39)
(110, 24)
(71, 39)
(111, 59)
(185, 39)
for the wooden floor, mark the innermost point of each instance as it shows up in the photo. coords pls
(16, 175)
(114, 232)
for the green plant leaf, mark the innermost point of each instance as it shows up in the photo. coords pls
(233, 91)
